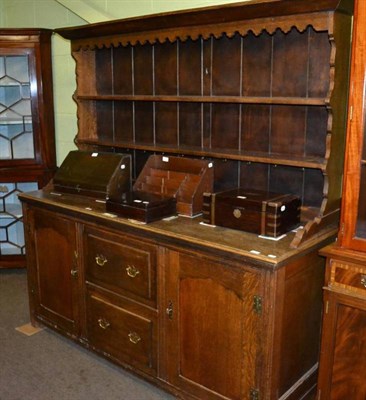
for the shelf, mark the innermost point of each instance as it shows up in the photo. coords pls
(230, 154)
(315, 101)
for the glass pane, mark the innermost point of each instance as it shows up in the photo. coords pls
(8, 116)
(16, 131)
(10, 131)
(5, 189)
(2, 67)
(22, 107)
(11, 225)
(25, 91)
(11, 236)
(23, 146)
(361, 221)
(17, 68)
(5, 151)
(9, 95)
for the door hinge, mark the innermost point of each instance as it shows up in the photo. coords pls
(257, 304)
(254, 394)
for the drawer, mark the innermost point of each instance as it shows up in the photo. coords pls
(348, 276)
(121, 333)
(124, 266)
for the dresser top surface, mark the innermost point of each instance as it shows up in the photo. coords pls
(192, 232)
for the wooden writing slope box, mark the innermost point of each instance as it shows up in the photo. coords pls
(184, 178)
(143, 206)
(264, 213)
(99, 175)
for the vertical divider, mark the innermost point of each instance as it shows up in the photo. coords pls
(133, 93)
(112, 92)
(178, 104)
(153, 90)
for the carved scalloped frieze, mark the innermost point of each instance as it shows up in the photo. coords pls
(319, 22)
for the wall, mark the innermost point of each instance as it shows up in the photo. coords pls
(62, 13)
(129, 8)
(1, 13)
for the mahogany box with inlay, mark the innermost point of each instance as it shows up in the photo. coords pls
(261, 212)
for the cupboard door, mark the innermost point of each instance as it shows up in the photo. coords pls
(53, 269)
(212, 329)
(343, 356)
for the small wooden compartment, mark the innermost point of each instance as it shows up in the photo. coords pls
(94, 174)
(143, 206)
(183, 178)
(264, 213)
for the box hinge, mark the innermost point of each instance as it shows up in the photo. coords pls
(257, 304)
(254, 394)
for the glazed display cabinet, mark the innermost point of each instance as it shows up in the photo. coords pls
(258, 91)
(27, 149)
(343, 350)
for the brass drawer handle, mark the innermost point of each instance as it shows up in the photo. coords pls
(134, 337)
(363, 280)
(103, 323)
(132, 271)
(100, 260)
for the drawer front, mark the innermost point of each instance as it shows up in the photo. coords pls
(348, 276)
(121, 265)
(121, 333)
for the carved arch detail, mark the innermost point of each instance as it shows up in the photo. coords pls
(319, 22)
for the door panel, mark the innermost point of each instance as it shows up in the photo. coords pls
(56, 269)
(212, 328)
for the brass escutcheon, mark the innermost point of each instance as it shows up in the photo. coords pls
(237, 213)
(169, 310)
(74, 273)
(363, 280)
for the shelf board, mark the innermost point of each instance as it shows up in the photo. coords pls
(314, 101)
(230, 154)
